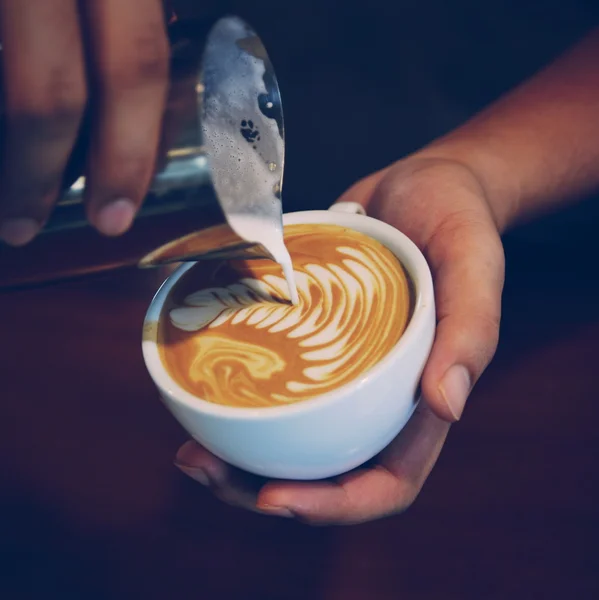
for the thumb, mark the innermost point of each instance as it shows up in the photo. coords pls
(467, 260)
(444, 212)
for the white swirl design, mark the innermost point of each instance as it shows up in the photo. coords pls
(251, 348)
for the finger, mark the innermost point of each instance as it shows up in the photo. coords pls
(442, 208)
(468, 262)
(361, 192)
(388, 488)
(231, 485)
(129, 50)
(44, 96)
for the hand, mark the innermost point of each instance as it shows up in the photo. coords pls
(442, 207)
(49, 77)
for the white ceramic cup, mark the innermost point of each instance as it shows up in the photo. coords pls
(329, 434)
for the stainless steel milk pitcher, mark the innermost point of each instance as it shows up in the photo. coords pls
(209, 62)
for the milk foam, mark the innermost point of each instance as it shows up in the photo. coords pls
(269, 233)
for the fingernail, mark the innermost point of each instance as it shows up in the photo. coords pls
(195, 473)
(278, 511)
(455, 387)
(115, 218)
(18, 232)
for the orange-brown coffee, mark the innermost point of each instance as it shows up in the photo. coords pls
(228, 334)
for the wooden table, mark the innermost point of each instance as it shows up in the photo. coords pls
(92, 508)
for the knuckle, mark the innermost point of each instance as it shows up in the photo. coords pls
(430, 178)
(467, 237)
(467, 221)
(404, 504)
(402, 488)
(52, 108)
(147, 63)
(478, 338)
(488, 330)
(405, 493)
(436, 198)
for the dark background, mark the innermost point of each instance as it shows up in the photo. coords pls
(90, 505)
(364, 83)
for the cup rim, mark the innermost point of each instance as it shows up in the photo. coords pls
(418, 271)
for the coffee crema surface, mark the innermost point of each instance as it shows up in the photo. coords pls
(229, 335)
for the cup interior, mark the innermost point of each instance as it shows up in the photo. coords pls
(399, 244)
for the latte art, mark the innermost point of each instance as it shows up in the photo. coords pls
(236, 340)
